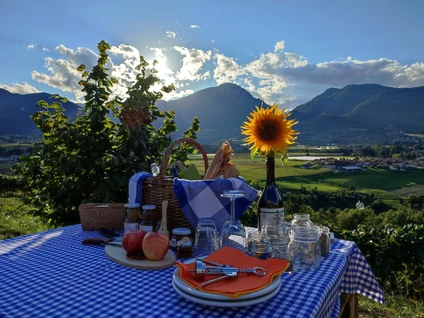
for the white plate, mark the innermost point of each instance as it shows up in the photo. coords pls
(181, 284)
(228, 303)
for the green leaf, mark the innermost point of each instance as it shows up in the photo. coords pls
(43, 104)
(81, 68)
(85, 74)
(252, 154)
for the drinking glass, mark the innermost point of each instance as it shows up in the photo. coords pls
(258, 245)
(206, 239)
(233, 233)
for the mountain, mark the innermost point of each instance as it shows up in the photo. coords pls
(16, 109)
(368, 113)
(221, 111)
(370, 105)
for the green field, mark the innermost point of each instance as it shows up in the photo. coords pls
(5, 168)
(292, 176)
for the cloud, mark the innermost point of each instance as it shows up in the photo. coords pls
(31, 46)
(278, 76)
(194, 26)
(279, 46)
(20, 88)
(226, 69)
(176, 95)
(250, 86)
(341, 73)
(45, 49)
(193, 62)
(62, 73)
(289, 79)
(170, 34)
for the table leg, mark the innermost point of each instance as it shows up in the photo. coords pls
(348, 306)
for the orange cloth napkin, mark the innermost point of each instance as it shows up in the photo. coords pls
(243, 283)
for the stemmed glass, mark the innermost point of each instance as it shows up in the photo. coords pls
(232, 232)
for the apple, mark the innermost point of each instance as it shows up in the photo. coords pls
(155, 246)
(132, 242)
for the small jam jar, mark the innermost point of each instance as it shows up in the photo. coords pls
(181, 242)
(148, 217)
(133, 215)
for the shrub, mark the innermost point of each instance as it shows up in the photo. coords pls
(92, 158)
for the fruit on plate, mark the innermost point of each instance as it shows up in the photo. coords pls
(155, 246)
(132, 242)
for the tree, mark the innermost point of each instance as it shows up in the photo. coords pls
(92, 158)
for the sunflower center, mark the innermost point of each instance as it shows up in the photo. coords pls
(269, 130)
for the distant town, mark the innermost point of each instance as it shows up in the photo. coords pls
(358, 165)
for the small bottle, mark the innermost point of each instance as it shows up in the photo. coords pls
(155, 169)
(148, 218)
(132, 217)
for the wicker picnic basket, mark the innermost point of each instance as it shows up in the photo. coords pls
(160, 188)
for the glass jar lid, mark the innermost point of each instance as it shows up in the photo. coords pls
(181, 231)
(149, 207)
(132, 205)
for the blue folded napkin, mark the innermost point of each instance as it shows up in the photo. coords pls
(135, 187)
(202, 198)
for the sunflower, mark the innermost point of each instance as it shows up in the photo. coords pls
(269, 131)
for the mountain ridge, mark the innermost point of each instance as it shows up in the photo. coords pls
(341, 115)
(16, 109)
(372, 104)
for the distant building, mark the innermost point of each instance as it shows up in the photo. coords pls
(307, 166)
(351, 169)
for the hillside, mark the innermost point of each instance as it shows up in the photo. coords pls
(395, 109)
(16, 109)
(221, 111)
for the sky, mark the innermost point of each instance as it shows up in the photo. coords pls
(284, 52)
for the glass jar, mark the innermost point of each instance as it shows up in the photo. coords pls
(302, 219)
(277, 233)
(324, 240)
(132, 217)
(148, 218)
(304, 248)
(178, 234)
(258, 245)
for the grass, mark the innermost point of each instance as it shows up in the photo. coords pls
(16, 218)
(293, 176)
(395, 307)
(15, 145)
(5, 168)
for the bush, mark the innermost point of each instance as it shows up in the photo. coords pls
(92, 158)
(395, 254)
(9, 185)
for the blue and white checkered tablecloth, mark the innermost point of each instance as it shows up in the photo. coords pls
(51, 274)
(358, 278)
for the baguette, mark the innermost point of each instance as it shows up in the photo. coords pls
(221, 164)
